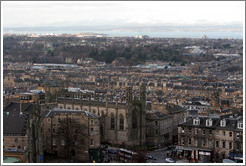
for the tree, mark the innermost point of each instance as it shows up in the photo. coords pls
(72, 134)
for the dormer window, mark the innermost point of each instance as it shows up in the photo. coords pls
(223, 123)
(240, 125)
(209, 122)
(196, 121)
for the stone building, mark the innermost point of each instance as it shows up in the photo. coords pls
(71, 133)
(122, 120)
(159, 128)
(210, 139)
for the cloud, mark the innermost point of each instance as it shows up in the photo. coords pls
(125, 15)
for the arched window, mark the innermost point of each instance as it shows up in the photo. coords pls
(121, 122)
(134, 119)
(112, 124)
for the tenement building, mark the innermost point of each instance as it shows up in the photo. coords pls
(210, 139)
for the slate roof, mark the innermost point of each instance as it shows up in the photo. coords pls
(15, 108)
(14, 124)
(52, 112)
(231, 123)
(157, 115)
(172, 108)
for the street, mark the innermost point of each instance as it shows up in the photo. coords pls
(160, 155)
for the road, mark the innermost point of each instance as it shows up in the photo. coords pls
(160, 155)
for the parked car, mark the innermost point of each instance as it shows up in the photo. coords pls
(169, 160)
(151, 157)
(111, 151)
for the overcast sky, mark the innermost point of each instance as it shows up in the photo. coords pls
(36, 14)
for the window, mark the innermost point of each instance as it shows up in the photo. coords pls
(182, 130)
(203, 132)
(230, 145)
(237, 135)
(62, 142)
(203, 143)
(210, 143)
(189, 129)
(217, 144)
(216, 133)
(16, 140)
(224, 133)
(210, 132)
(230, 134)
(54, 131)
(59, 120)
(240, 125)
(134, 119)
(112, 122)
(92, 141)
(91, 121)
(156, 131)
(223, 144)
(182, 141)
(48, 120)
(196, 121)
(91, 131)
(196, 142)
(196, 131)
(49, 130)
(189, 141)
(54, 142)
(223, 123)
(209, 122)
(156, 123)
(121, 122)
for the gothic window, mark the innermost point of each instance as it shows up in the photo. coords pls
(112, 121)
(134, 119)
(121, 122)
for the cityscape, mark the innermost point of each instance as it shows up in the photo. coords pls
(78, 94)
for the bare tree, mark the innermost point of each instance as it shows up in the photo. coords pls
(73, 135)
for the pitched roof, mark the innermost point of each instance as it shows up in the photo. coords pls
(14, 123)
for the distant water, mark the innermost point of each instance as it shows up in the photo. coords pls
(215, 35)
